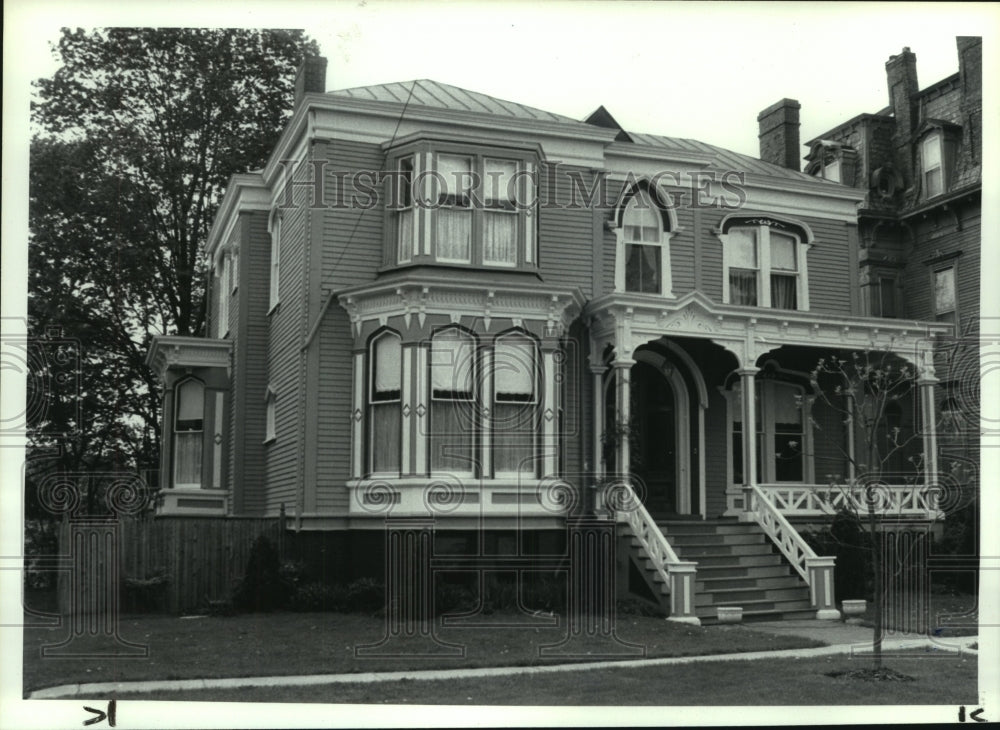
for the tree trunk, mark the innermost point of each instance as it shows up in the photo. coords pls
(876, 553)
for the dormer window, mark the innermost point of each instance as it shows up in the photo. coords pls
(932, 165)
(463, 207)
(643, 259)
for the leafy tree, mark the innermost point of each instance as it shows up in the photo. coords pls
(135, 137)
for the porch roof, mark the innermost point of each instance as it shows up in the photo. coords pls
(627, 321)
(167, 351)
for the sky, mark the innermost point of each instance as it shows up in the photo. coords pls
(697, 70)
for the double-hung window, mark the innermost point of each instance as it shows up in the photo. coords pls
(781, 433)
(273, 290)
(500, 216)
(384, 414)
(454, 209)
(514, 416)
(944, 294)
(453, 423)
(641, 233)
(404, 210)
(189, 414)
(932, 165)
(764, 264)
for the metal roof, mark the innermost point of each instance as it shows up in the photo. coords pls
(434, 94)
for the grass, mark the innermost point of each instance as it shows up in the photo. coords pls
(950, 613)
(936, 681)
(324, 643)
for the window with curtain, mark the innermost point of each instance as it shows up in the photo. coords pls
(784, 271)
(743, 267)
(514, 417)
(500, 215)
(453, 402)
(384, 404)
(404, 211)
(189, 415)
(454, 212)
(641, 229)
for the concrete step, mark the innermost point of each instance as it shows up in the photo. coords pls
(751, 616)
(756, 606)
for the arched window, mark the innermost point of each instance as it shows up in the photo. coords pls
(189, 415)
(384, 397)
(644, 257)
(514, 416)
(452, 437)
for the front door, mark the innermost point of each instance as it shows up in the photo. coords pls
(654, 442)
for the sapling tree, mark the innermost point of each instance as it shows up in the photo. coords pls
(869, 391)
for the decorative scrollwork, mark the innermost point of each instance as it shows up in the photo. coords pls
(558, 496)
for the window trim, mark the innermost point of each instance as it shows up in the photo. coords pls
(178, 386)
(667, 227)
(762, 226)
(370, 404)
(952, 266)
(537, 381)
(935, 137)
(223, 277)
(270, 415)
(425, 156)
(274, 228)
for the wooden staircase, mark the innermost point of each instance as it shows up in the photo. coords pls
(737, 566)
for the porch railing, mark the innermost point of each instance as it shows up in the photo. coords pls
(815, 570)
(805, 500)
(678, 575)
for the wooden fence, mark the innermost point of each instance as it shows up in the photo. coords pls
(200, 559)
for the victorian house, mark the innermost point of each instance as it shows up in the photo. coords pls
(436, 303)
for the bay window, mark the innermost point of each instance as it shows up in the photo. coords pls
(462, 206)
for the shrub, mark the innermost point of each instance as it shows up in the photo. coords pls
(318, 596)
(262, 588)
(365, 595)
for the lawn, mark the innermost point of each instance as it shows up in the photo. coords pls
(936, 680)
(948, 613)
(324, 643)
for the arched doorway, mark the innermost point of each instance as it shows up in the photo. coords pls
(654, 454)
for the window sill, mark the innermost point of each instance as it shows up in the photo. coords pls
(269, 440)
(273, 308)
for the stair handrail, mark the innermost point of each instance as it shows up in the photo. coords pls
(628, 508)
(779, 529)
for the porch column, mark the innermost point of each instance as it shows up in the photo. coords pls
(928, 416)
(597, 382)
(623, 415)
(749, 411)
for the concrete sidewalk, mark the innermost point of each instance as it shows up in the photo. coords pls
(813, 629)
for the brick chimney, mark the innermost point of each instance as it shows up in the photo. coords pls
(970, 70)
(779, 134)
(311, 77)
(901, 78)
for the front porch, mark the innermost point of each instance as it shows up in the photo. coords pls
(673, 381)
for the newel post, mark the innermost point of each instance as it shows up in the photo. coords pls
(682, 578)
(821, 596)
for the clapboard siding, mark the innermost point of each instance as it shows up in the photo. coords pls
(682, 254)
(251, 361)
(352, 241)
(284, 365)
(828, 262)
(716, 453)
(829, 441)
(566, 233)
